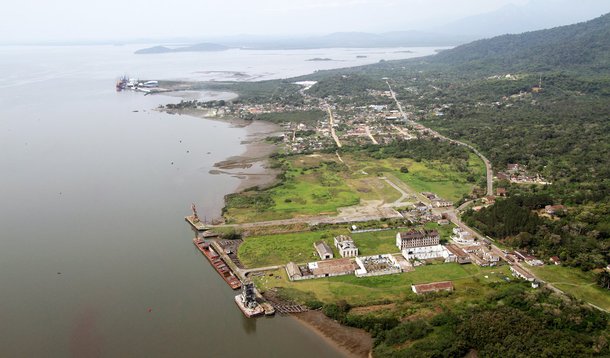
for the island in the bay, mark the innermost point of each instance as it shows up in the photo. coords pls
(453, 205)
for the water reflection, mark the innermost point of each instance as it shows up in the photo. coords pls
(249, 324)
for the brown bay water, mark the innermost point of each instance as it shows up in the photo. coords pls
(95, 258)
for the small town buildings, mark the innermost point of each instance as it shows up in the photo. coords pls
(521, 273)
(432, 287)
(346, 246)
(460, 255)
(555, 260)
(293, 271)
(441, 203)
(323, 250)
(421, 206)
(501, 192)
(320, 269)
(377, 265)
(529, 259)
(417, 238)
(463, 237)
(421, 245)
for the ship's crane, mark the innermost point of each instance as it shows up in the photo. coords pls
(195, 216)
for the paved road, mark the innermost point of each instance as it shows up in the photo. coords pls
(331, 121)
(404, 194)
(438, 135)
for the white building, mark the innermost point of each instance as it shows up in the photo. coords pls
(421, 244)
(346, 246)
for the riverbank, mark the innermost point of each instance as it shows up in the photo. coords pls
(352, 341)
(251, 166)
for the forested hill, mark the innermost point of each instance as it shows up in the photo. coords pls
(582, 45)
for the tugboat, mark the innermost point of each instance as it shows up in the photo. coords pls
(246, 301)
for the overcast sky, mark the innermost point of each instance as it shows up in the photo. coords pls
(65, 20)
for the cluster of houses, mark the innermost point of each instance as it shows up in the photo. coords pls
(520, 256)
(479, 252)
(437, 201)
(518, 173)
(421, 214)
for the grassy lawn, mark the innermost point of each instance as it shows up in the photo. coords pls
(268, 250)
(469, 280)
(378, 242)
(575, 282)
(280, 249)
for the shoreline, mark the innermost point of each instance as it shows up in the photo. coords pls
(352, 342)
(251, 165)
(251, 168)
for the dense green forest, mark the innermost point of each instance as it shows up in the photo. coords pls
(513, 321)
(487, 95)
(579, 237)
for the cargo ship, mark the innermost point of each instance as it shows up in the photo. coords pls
(219, 265)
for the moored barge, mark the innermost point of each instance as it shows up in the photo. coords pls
(219, 265)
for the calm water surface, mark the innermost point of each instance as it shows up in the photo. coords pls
(93, 189)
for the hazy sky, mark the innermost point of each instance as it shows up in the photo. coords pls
(64, 20)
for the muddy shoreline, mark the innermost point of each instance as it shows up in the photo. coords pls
(353, 342)
(252, 168)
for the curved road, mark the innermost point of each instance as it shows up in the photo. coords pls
(438, 135)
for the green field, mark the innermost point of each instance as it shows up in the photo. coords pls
(280, 249)
(320, 184)
(469, 280)
(312, 185)
(378, 242)
(441, 179)
(575, 282)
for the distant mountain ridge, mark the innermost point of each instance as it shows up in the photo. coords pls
(202, 47)
(334, 40)
(535, 15)
(583, 44)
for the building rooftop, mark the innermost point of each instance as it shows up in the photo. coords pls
(432, 287)
(329, 267)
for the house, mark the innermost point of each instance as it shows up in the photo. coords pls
(555, 260)
(293, 271)
(521, 273)
(554, 209)
(462, 237)
(460, 255)
(440, 203)
(421, 206)
(346, 246)
(501, 192)
(324, 251)
(432, 287)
